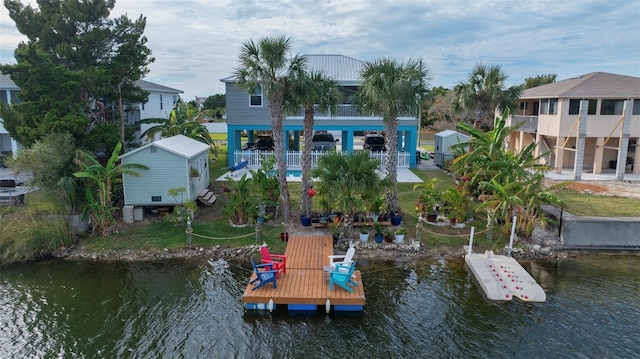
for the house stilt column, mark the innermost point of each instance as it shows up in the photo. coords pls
(636, 158)
(582, 134)
(598, 155)
(624, 140)
(559, 155)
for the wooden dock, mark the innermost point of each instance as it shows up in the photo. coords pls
(305, 286)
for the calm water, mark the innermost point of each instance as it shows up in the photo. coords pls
(189, 309)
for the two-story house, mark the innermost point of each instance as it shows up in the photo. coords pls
(250, 112)
(160, 101)
(590, 123)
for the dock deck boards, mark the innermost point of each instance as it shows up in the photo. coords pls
(305, 281)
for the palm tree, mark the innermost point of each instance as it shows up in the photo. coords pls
(105, 178)
(391, 89)
(266, 64)
(483, 92)
(182, 121)
(313, 88)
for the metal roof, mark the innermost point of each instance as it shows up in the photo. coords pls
(180, 145)
(343, 69)
(591, 85)
(150, 86)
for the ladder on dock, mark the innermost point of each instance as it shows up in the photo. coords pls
(207, 197)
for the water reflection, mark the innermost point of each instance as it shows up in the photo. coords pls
(417, 309)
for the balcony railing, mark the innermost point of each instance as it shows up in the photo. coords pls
(294, 158)
(345, 110)
(529, 123)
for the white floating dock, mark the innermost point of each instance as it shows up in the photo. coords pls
(502, 278)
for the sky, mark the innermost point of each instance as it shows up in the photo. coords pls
(197, 43)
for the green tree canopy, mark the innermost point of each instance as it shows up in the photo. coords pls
(539, 80)
(484, 91)
(74, 58)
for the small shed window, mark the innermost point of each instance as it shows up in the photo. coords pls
(156, 198)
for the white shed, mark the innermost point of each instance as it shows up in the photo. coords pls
(442, 145)
(174, 162)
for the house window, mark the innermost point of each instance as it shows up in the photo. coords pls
(161, 101)
(156, 198)
(574, 106)
(255, 99)
(611, 107)
(636, 107)
(175, 99)
(553, 106)
(544, 106)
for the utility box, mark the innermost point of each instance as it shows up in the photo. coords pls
(127, 214)
(138, 214)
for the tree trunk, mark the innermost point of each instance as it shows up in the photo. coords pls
(277, 127)
(391, 129)
(305, 203)
(121, 113)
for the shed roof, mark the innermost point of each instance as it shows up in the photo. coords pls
(7, 83)
(447, 133)
(591, 85)
(181, 145)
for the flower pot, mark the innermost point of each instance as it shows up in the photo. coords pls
(399, 238)
(432, 217)
(378, 237)
(388, 238)
(284, 236)
(364, 237)
(396, 220)
(305, 220)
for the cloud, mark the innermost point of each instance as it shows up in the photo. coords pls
(196, 43)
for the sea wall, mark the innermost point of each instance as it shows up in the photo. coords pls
(600, 232)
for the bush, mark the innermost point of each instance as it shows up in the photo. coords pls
(28, 234)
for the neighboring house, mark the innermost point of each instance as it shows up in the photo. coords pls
(159, 104)
(602, 137)
(250, 112)
(174, 162)
(8, 95)
(442, 145)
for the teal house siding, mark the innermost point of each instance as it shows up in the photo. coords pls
(170, 161)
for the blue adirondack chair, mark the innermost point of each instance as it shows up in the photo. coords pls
(263, 276)
(341, 276)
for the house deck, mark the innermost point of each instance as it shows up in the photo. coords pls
(305, 286)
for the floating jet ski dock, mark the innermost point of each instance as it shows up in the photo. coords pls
(502, 277)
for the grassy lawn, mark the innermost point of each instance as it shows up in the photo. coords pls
(582, 204)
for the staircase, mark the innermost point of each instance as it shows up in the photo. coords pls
(207, 197)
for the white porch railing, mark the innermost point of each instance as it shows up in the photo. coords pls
(294, 158)
(529, 123)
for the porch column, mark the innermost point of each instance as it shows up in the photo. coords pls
(624, 140)
(536, 150)
(347, 141)
(599, 153)
(234, 144)
(582, 134)
(559, 155)
(296, 140)
(410, 148)
(636, 158)
(521, 141)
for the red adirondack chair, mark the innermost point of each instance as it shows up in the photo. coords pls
(278, 261)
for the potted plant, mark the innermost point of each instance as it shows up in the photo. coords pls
(364, 234)
(428, 201)
(193, 172)
(396, 217)
(389, 235)
(400, 232)
(378, 229)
